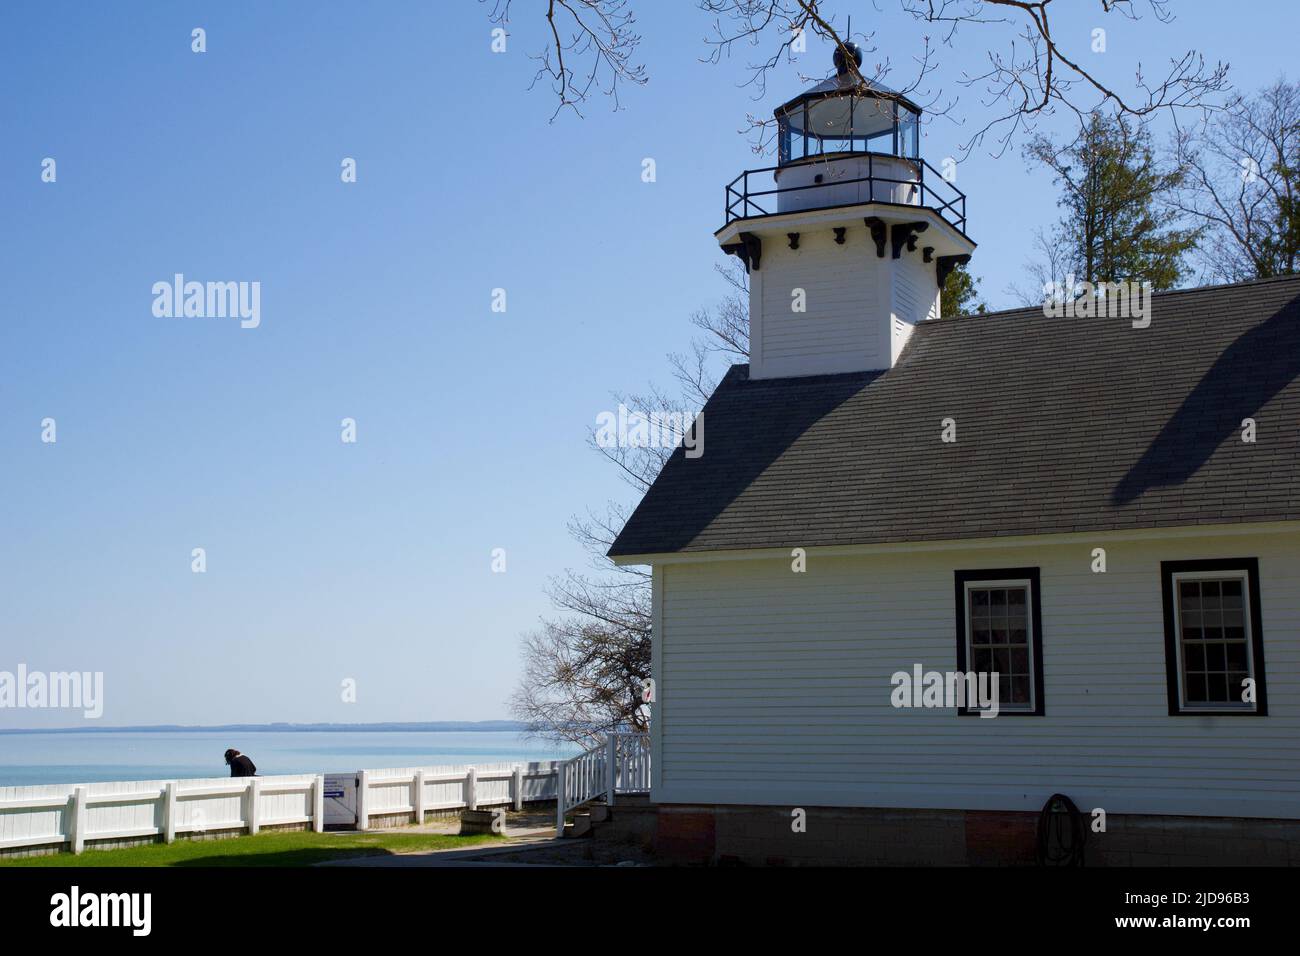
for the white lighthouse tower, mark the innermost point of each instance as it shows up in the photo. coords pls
(849, 238)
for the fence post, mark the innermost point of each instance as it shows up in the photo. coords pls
(77, 828)
(471, 789)
(559, 798)
(517, 786)
(419, 796)
(363, 801)
(169, 813)
(318, 804)
(254, 788)
(611, 761)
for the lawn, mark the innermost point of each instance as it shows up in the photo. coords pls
(292, 848)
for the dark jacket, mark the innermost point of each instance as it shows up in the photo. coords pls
(241, 766)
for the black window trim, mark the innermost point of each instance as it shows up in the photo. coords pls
(961, 579)
(1251, 566)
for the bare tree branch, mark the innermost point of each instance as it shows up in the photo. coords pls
(1031, 72)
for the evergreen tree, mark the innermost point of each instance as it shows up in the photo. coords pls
(1117, 226)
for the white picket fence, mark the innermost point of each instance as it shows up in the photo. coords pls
(421, 790)
(78, 814)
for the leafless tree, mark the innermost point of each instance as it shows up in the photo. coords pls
(1030, 71)
(1242, 183)
(1048, 270)
(584, 671)
(598, 34)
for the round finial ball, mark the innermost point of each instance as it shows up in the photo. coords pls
(840, 67)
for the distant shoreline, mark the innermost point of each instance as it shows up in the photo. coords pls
(429, 727)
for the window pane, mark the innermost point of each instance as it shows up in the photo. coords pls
(1235, 686)
(1216, 686)
(1020, 690)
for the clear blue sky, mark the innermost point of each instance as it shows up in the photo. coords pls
(369, 561)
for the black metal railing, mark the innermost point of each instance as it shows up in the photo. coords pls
(945, 199)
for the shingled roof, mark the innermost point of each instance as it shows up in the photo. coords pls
(1063, 425)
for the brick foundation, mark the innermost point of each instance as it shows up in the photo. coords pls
(838, 836)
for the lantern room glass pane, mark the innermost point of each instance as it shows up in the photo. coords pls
(848, 124)
(909, 133)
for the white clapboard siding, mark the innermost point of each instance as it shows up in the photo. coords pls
(774, 687)
(846, 325)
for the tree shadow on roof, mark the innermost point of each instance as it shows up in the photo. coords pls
(1249, 373)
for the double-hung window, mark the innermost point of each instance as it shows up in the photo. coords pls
(999, 631)
(1214, 649)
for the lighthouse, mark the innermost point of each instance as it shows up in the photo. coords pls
(849, 238)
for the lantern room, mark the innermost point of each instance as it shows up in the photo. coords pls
(845, 114)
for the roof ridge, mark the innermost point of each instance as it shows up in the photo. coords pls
(1217, 287)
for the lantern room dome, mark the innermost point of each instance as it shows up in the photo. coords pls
(847, 114)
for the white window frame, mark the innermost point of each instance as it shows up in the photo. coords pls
(1227, 574)
(991, 584)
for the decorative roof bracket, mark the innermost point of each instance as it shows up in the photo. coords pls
(945, 265)
(877, 227)
(904, 234)
(749, 250)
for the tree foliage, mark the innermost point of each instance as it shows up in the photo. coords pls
(1116, 224)
(960, 294)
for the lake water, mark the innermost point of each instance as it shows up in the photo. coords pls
(89, 758)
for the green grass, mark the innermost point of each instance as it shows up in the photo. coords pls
(292, 848)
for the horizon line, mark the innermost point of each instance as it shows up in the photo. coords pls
(376, 726)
